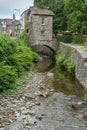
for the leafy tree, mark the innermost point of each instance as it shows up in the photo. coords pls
(76, 15)
(57, 6)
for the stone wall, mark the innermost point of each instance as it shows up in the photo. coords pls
(79, 57)
(41, 31)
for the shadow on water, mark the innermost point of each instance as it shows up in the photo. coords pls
(62, 81)
(66, 83)
(70, 91)
(45, 64)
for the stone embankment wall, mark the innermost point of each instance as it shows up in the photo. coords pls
(79, 57)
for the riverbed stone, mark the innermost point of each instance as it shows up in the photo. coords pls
(38, 109)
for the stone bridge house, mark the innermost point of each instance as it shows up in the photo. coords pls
(40, 27)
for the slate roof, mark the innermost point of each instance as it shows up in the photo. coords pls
(36, 11)
(10, 22)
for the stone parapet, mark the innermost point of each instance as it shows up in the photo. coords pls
(79, 57)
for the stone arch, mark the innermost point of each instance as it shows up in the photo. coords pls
(50, 48)
(44, 49)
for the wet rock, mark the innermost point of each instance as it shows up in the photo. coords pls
(10, 121)
(29, 96)
(21, 117)
(2, 129)
(38, 103)
(80, 116)
(50, 75)
(85, 114)
(39, 117)
(33, 107)
(32, 120)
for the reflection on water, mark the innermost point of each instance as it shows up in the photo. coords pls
(45, 64)
(67, 84)
(62, 81)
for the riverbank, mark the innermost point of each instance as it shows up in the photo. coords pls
(77, 56)
(38, 106)
(18, 110)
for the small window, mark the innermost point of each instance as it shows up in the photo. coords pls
(27, 30)
(31, 20)
(42, 32)
(43, 21)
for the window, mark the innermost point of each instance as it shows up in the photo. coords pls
(42, 32)
(31, 19)
(43, 21)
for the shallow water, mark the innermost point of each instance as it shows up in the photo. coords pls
(62, 80)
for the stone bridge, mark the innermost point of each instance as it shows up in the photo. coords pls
(45, 47)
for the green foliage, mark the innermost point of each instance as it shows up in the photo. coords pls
(26, 22)
(85, 96)
(8, 77)
(64, 38)
(60, 60)
(15, 58)
(35, 57)
(76, 16)
(69, 14)
(7, 46)
(79, 39)
(24, 38)
(57, 6)
(69, 65)
(75, 39)
(21, 60)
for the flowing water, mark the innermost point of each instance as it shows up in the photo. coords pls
(65, 109)
(62, 80)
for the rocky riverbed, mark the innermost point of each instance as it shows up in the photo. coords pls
(39, 107)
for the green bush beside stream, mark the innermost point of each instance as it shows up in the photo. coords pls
(62, 62)
(15, 58)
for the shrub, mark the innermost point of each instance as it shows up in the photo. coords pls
(15, 61)
(35, 57)
(64, 38)
(25, 38)
(67, 63)
(70, 66)
(8, 77)
(21, 60)
(79, 39)
(15, 58)
(7, 46)
(59, 60)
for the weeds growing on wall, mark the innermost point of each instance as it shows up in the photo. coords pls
(61, 62)
(70, 66)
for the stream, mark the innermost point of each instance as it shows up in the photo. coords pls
(51, 100)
